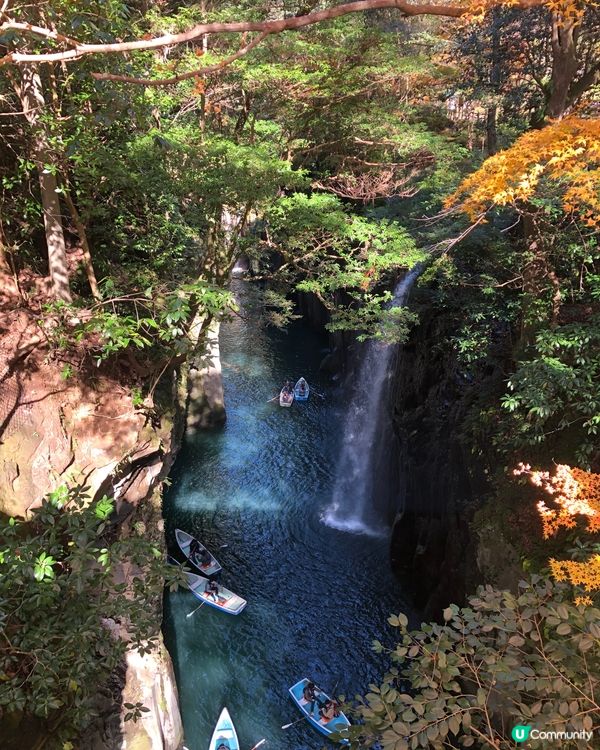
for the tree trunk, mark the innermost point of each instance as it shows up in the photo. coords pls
(491, 134)
(244, 113)
(4, 266)
(29, 90)
(564, 64)
(87, 255)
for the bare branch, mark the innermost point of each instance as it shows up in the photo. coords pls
(184, 76)
(38, 31)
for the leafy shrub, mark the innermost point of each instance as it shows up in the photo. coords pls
(62, 590)
(530, 658)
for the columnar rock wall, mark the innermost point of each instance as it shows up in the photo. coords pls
(441, 482)
(206, 405)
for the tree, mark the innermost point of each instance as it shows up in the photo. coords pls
(63, 594)
(549, 177)
(564, 155)
(77, 49)
(504, 660)
(531, 64)
(574, 496)
(344, 260)
(29, 90)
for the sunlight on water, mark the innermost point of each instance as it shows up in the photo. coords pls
(240, 500)
(316, 596)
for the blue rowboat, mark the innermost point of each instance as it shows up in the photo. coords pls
(337, 724)
(208, 567)
(226, 601)
(224, 737)
(301, 390)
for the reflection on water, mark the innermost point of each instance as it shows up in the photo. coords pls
(316, 596)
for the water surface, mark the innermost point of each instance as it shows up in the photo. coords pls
(317, 596)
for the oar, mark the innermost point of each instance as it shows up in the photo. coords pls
(194, 612)
(273, 399)
(337, 682)
(287, 726)
(258, 744)
(224, 546)
(320, 395)
(320, 689)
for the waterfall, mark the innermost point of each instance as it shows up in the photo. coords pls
(353, 507)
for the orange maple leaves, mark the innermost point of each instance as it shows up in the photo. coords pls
(566, 153)
(569, 10)
(585, 574)
(575, 493)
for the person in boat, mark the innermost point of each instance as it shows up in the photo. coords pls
(302, 386)
(194, 548)
(331, 710)
(309, 693)
(199, 554)
(212, 589)
(223, 746)
(204, 557)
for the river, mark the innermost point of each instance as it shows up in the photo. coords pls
(317, 596)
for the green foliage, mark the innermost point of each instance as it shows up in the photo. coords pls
(331, 252)
(376, 319)
(135, 711)
(62, 594)
(279, 310)
(159, 318)
(503, 660)
(556, 390)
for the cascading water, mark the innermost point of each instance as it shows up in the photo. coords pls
(251, 491)
(353, 506)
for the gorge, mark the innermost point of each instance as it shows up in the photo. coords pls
(203, 201)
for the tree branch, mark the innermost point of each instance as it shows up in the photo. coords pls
(38, 31)
(184, 76)
(268, 27)
(590, 78)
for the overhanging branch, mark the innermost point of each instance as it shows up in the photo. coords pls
(79, 49)
(183, 76)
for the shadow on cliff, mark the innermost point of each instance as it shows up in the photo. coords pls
(440, 483)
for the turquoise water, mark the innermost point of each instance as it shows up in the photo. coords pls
(316, 596)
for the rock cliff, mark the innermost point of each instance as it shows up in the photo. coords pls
(441, 482)
(61, 423)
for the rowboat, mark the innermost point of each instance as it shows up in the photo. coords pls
(226, 601)
(184, 540)
(224, 737)
(301, 390)
(286, 398)
(337, 724)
